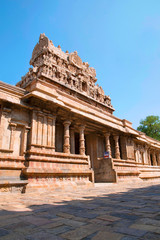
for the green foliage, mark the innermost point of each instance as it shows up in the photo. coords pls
(150, 126)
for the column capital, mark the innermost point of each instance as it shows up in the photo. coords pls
(82, 127)
(115, 135)
(49, 116)
(67, 123)
(107, 134)
(13, 126)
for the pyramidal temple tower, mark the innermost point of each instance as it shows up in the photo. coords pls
(57, 129)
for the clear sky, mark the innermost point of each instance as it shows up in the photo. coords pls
(119, 38)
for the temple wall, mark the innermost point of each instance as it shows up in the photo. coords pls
(57, 129)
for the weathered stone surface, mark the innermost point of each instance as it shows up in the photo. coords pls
(57, 130)
(37, 223)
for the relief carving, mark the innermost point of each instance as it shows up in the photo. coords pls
(75, 59)
(66, 68)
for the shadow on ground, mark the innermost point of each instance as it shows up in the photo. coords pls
(88, 214)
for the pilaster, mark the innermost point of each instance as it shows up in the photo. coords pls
(12, 137)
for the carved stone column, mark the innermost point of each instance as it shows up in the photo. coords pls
(82, 140)
(66, 146)
(154, 158)
(107, 143)
(146, 154)
(34, 128)
(136, 155)
(117, 151)
(72, 141)
(39, 128)
(53, 132)
(44, 131)
(25, 131)
(158, 158)
(13, 128)
(49, 131)
(149, 157)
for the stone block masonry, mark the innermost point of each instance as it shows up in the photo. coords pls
(56, 124)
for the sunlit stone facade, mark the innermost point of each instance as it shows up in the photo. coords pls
(56, 124)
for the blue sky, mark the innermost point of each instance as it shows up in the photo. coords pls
(119, 38)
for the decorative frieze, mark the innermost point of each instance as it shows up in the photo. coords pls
(67, 69)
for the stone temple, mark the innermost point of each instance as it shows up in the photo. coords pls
(57, 129)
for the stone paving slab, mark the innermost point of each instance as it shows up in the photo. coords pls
(107, 211)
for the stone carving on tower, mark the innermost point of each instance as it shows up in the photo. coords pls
(66, 68)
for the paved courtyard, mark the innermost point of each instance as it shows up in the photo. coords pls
(108, 211)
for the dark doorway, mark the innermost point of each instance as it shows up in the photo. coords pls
(76, 143)
(151, 159)
(112, 143)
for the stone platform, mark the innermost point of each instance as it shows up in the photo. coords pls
(106, 211)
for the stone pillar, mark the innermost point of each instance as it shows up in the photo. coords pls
(149, 157)
(107, 144)
(24, 140)
(34, 128)
(44, 131)
(143, 157)
(117, 151)
(154, 158)
(13, 128)
(72, 141)
(158, 158)
(39, 128)
(146, 154)
(81, 140)
(66, 145)
(49, 131)
(136, 155)
(53, 132)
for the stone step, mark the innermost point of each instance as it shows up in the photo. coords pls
(12, 181)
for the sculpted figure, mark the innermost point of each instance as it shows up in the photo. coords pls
(59, 62)
(54, 71)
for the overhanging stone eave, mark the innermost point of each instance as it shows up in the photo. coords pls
(104, 122)
(67, 86)
(12, 89)
(10, 98)
(146, 141)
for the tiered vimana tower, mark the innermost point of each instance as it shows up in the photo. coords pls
(57, 129)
